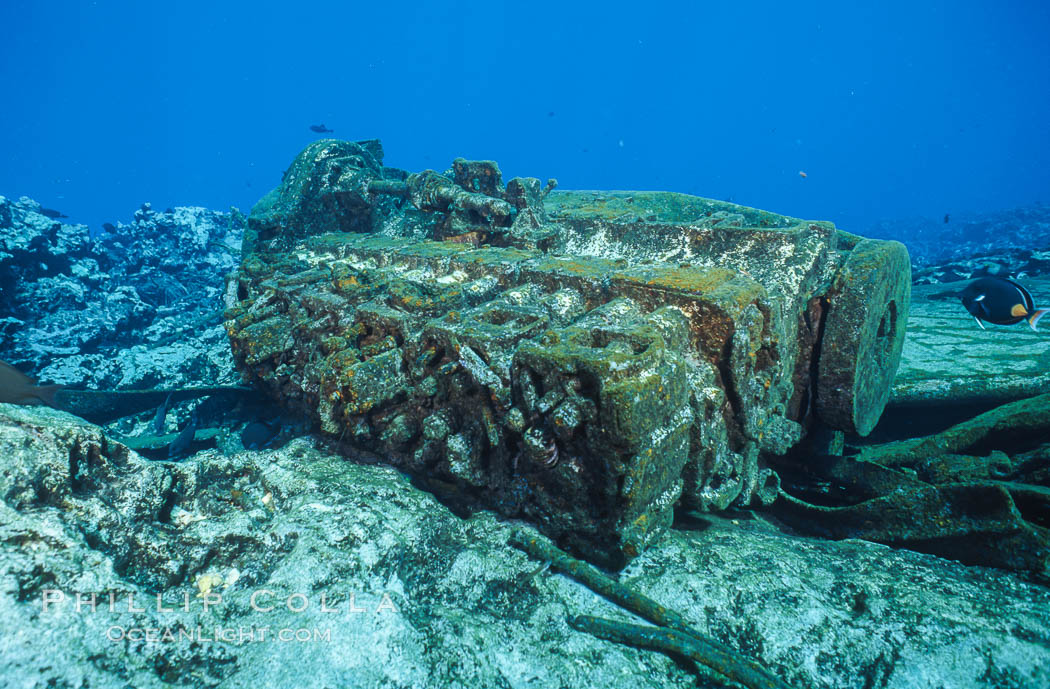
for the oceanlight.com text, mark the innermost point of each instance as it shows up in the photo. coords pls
(226, 635)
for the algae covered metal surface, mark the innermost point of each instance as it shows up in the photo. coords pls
(583, 360)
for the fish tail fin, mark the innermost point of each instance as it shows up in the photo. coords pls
(1036, 315)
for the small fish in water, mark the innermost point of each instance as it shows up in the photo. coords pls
(802, 174)
(321, 129)
(1000, 301)
(179, 447)
(18, 388)
(160, 420)
(947, 218)
(53, 214)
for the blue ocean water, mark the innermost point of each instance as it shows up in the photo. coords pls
(893, 109)
(680, 388)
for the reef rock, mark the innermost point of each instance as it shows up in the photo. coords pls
(380, 585)
(73, 305)
(41, 244)
(1017, 263)
(189, 357)
(1014, 241)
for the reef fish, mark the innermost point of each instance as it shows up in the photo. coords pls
(1000, 301)
(321, 129)
(18, 388)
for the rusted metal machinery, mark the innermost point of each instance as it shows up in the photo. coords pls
(584, 360)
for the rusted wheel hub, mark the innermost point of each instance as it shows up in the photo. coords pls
(863, 335)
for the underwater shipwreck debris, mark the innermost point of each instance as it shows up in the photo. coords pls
(977, 492)
(583, 360)
(682, 644)
(1002, 428)
(671, 635)
(103, 406)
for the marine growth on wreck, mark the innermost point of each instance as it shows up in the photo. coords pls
(582, 360)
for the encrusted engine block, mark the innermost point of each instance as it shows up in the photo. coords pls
(584, 360)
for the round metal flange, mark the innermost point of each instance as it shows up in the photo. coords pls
(863, 335)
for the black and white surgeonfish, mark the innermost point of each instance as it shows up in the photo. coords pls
(1000, 301)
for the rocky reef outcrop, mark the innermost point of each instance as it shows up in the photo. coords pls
(360, 579)
(1008, 243)
(129, 307)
